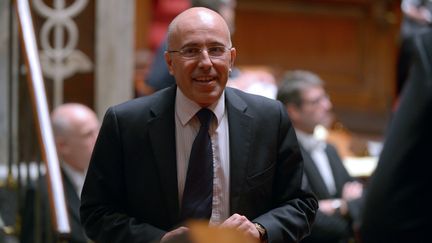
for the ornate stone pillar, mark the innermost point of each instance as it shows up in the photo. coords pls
(4, 84)
(114, 53)
(8, 84)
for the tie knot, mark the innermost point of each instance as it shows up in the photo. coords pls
(204, 115)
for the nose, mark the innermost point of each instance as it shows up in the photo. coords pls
(204, 60)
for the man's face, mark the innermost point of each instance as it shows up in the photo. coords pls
(315, 109)
(77, 146)
(201, 78)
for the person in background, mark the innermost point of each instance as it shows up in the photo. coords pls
(308, 106)
(396, 206)
(159, 76)
(417, 19)
(138, 187)
(75, 128)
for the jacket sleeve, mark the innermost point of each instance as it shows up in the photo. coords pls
(103, 210)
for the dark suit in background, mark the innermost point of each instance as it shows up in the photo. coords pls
(75, 127)
(397, 205)
(329, 228)
(37, 215)
(73, 205)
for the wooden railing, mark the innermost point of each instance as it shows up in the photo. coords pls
(41, 112)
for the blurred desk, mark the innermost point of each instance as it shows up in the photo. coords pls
(360, 167)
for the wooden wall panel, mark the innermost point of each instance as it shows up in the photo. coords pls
(143, 16)
(352, 45)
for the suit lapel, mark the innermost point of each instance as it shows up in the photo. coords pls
(73, 201)
(240, 136)
(340, 175)
(162, 135)
(314, 176)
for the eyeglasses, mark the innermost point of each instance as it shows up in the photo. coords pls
(217, 52)
(317, 100)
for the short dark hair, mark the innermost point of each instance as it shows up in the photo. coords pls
(293, 83)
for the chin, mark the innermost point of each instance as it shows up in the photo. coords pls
(208, 98)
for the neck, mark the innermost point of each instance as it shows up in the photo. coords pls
(304, 129)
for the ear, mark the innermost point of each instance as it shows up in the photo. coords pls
(61, 145)
(233, 53)
(293, 112)
(169, 62)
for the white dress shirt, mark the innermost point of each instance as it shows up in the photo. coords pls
(76, 177)
(316, 148)
(187, 127)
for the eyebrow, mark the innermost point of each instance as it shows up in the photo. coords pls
(194, 44)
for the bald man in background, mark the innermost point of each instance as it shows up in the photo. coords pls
(75, 129)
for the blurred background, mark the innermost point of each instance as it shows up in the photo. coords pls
(99, 52)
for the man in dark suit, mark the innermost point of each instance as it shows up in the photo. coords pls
(75, 128)
(396, 205)
(308, 106)
(135, 187)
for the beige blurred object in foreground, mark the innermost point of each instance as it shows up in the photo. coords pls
(200, 232)
(359, 155)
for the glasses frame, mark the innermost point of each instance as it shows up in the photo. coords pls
(201, 50)
(316, 101)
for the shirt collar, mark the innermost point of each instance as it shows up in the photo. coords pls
(186, 108)
(76, 177)
(309, 141)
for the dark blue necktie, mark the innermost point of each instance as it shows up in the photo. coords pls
(198, 191)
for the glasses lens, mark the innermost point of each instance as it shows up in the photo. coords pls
(216, 51)
(317, 100)
(195, 52)
(190, 52)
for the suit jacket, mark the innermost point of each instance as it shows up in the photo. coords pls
(130, 193)
(33, 221)
(396, 205)
(327, 228)
(73, 205)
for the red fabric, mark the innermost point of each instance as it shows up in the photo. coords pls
(163, 12)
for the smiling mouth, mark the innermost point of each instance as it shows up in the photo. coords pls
(204, 80)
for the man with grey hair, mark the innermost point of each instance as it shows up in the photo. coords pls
(303, 94)
(308, 106)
